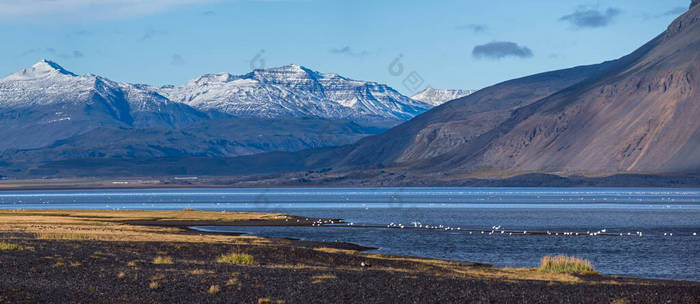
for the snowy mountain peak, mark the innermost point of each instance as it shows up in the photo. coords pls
(212, 78)
(42, 69)
(437, 97)
(48, 66)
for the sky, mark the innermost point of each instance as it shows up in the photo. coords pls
(407, 44)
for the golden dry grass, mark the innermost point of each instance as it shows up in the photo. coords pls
(163, 260)
(154, 285)
(214, 289)
(236, 258)
(566, 264)
(111, 225)
(324, 277)
(201, 272)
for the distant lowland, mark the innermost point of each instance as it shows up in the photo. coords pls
(633, 121)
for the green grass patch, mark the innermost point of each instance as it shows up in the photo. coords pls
(566, 264)
(236, 258)
(8, 246)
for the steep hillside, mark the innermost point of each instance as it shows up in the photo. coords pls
(641, 116)
(456, 123)
(635, 114)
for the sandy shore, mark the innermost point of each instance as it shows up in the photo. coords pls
(68, 256)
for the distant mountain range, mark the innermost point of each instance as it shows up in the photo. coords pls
(50, 113)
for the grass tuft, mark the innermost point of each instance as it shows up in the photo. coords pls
(236, 258)
(566, 264)
(8, 246)
(162, 260)
(154, 285)
(214, 289)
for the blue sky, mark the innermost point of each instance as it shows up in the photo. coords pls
(442, 44)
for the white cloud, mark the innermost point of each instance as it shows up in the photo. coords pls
(86, 9)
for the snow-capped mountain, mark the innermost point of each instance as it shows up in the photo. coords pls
(47, 83)
(52, 113)
(436, 97)
(45, 102)
(295, 91)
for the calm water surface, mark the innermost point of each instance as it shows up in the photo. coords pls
(656, 213)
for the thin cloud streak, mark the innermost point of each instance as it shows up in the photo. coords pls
(476, 28)
(347, 50)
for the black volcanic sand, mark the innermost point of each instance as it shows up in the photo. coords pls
(54, 270)
(88, 272)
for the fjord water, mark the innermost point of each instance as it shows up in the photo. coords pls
(666, 218)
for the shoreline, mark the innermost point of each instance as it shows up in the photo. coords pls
(111, 257)
(524, 180)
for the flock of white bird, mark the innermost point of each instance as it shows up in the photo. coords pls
(497, 229)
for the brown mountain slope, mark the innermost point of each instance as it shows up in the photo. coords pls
(640, 113)
(643, 116)
(456, 123)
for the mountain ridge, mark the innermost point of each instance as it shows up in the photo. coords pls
(45, 109)
(296, 91)
(437, 97)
